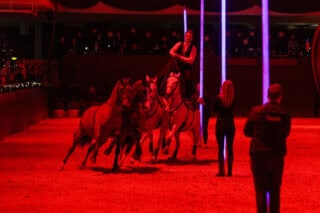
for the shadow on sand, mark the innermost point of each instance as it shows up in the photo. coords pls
(182, 162)
(127, 170)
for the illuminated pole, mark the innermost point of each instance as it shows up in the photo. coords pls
(201, 58)
(223, 41)
(223, 55)
(265, 61)
(185, 20)
(265, 50)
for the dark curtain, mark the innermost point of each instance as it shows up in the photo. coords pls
(285, 6)
(316, 59)
(78, 4)
(294, 6)
(215, 5)
(140, 5)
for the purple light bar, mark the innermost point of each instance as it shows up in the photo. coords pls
(223, 56)
(185, 19)
(201, 58)
(223, 41)
(265, 50)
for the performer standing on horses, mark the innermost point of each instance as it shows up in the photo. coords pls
(185, 53)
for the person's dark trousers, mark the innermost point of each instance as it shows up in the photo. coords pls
(186, 84)
(189, 88)
(267, 173)
(225, 129)
(183, 87)
(205, 123)
(205, 119)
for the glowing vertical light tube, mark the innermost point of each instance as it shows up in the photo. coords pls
(223, 41)
(201, 58)
(265, 50)
(223, 55)
(185, 20)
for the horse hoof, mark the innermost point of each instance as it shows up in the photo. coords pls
(166, 151)
(61, 167)
(136, 157)
(107, 151)
(153, 160)
(151, 147)
(193, 158)
(115, 169)
(93, 159)
(132, 160)
(172, 159)
(82, 166)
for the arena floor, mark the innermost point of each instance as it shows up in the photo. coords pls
(30, 180)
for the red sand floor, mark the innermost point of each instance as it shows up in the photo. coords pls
(30, 181)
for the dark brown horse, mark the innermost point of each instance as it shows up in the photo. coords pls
(133, 124)
(99, 123)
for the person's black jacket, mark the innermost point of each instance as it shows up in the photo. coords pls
(269, 125)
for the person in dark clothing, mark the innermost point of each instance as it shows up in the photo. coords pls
(185, 53)
(225, 127)
(268, 126)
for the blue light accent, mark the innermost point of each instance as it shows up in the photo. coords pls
(268, 201)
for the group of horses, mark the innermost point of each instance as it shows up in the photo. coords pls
(129, 117)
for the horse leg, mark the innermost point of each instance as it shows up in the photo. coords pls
(129, 144)
(175, 152)
(110, 147)
(169, 138)
(144, 137)
(125, 152)
(162, 135)
(78, 139)
(138, 152)
(95, 150)
(196, 136)
(90, 149)
(115, 166)
(101, 140)
(150, 134)
(70, 151)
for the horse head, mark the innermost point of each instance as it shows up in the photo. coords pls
(142, 99)
(152, 83)
(173, 84)
(125, 92)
